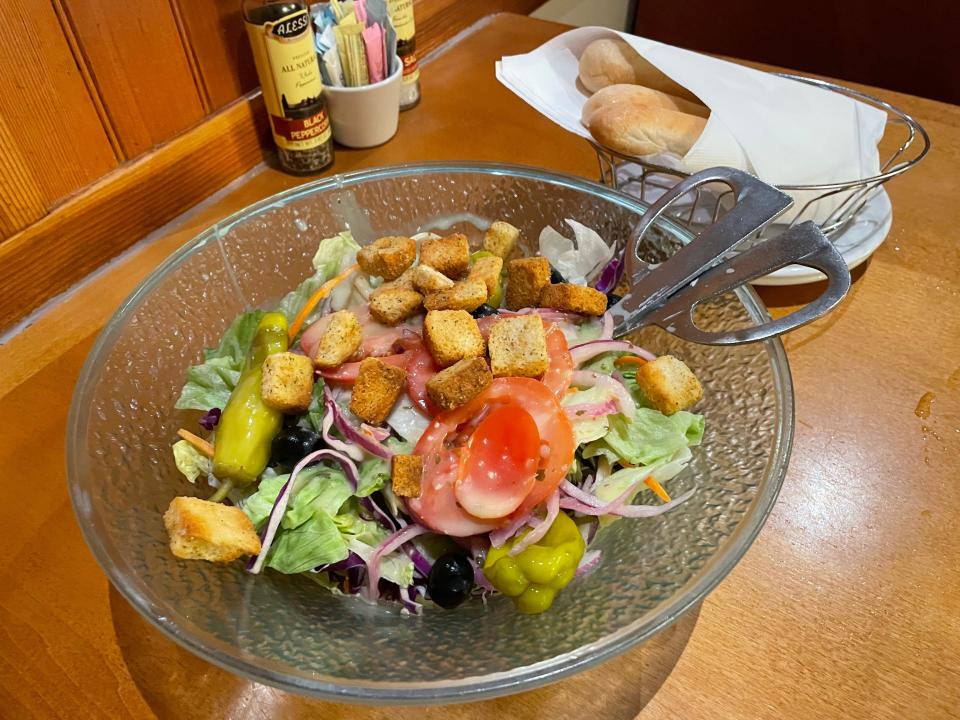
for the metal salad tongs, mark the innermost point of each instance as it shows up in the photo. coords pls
(666, 294)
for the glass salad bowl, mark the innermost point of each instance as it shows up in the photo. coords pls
(287, 631)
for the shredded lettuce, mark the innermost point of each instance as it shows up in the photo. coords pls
(373, 475)
(320, 488)
(587, 429)
(333, 255)
(315, 542)
(375, 472)
(308, 536)
(317, 408)
(210, 383)
(406, 420)
(190, 462)
(363, 537)
(666, 469)
(605, 364)
(648, 437)
(323, 523)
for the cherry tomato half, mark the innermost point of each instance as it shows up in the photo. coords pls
(448, 438)
(498, 466)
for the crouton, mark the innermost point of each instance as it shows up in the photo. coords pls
(428, 280)
(518, 346)
(459, 383)
(287, 382)
(501, 238)
(574, 298)
(449, 255)
(392, 307)
(406, 473)
(452, 335)
(404, 282)
(388, 257)
(465, 295)
(669, 384)
(376, 390)
(526, 279)
(339, 341)
(204, 530)
(487, 270)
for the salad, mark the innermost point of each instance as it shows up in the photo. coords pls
(428, 419)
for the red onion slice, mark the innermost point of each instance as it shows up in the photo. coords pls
(408, 602)
(623, 510)
(590, 411)
(622, 397)
(578, 494)
(500, 536)
(350, 433)
(589, 350)
(326, 424)
(286, 494)
(385, 548)
(553, 509)
(588, 562)
(610, 275)
(379, 434)
(606, 332)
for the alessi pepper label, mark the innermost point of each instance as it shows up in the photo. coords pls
(411, 67)
(401, 15)
(296, 130)
(286, 60)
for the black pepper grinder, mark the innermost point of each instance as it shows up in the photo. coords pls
(281, 36)
(401, 15)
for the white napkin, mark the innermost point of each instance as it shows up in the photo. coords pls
(784, 132)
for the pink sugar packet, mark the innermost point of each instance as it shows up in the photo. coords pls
(373, 46)
(360, 11)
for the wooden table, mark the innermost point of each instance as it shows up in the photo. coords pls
(847, 606)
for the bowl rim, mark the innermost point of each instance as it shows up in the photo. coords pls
(474, 687)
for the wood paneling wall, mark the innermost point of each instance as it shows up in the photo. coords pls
(118, 115)
(219, 44)
(89, 85)
(52, 139)
(140, 69)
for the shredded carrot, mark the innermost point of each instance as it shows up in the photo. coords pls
(630, 360)
(651, 482)
(319, 295)
(199, 443)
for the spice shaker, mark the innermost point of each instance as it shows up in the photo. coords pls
(401, 15)
(281, 36)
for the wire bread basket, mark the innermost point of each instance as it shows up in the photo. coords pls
(704, 205)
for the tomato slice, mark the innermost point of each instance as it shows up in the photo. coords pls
(415, 359)
(346, 374)
(382, 343)
(311, 336)
(420, 368)
(499, 465)
(560, 372)
(437, 506)
(378, 339)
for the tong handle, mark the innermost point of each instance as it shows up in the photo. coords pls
(757, 205)
(803, 244)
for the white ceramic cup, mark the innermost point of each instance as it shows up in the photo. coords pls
(365, 116)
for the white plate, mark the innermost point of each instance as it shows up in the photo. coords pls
(856, 243)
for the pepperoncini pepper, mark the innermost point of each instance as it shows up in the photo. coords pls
(534, 575)
(496, 297)
(247, 425)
